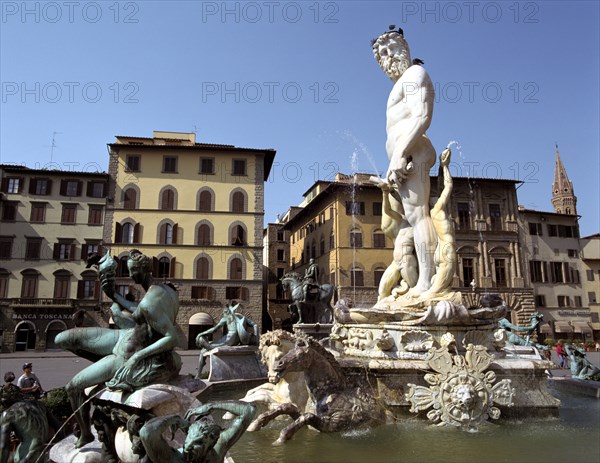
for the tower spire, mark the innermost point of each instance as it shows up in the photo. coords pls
(564, 200)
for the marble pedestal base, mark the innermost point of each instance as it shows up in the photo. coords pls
(387, 356)
(389, 379)
(232, 363)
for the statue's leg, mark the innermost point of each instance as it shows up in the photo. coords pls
(266, 417)
(98, 373)
(262, 393)
(288, 432)
(425, 236)
(90, 343)
(201, 362)
(403, 255)
(388, 280)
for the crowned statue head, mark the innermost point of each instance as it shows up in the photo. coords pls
(392, 53)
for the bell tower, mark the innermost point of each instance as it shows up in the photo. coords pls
(564, 200)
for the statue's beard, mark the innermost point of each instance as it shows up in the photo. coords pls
(394, 66)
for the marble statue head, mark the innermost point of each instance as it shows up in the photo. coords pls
(392, 53)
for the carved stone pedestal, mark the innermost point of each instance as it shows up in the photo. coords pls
(234, 363)
(314, 330)
(387, 357)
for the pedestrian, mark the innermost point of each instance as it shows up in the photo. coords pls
(30, 385)
(562, 354)
(9, 392)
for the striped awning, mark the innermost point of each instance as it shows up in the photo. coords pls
(581, 327)
(546, 328)
(562, 327)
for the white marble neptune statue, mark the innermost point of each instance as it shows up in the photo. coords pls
(411, 156)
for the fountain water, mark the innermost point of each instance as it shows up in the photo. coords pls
(354, 171)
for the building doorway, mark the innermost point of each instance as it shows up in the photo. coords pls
(198, 323)
(25, 337)
(54, 327)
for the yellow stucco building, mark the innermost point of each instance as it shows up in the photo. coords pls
(49, 221)
(338, 224)
(198, 209)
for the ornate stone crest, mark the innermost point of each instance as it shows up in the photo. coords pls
(460, 393)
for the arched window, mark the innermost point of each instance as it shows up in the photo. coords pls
(203, 235)
(378, 238)
(377, 275)
(167, 234)
(127, 233)
(62, 280)
(238, 200)
(129, 199)
(88, 287)
(122, 270)
(238, 235)
(357, 277)
(202, 268)
(356, 238)
(236, 269)
(29, 283)
(205, 201)
(167, 200)
(4, 279)
(164, 267)
(322, 246)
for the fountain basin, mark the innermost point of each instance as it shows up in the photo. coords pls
(572, 435)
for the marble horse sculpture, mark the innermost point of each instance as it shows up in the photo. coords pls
(340, 406)
(310, 300)
(289, 388)
(137, 354)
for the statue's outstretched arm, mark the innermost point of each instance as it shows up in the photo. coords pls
(121, 319)
(445, 171)
(130, 306)
(212, 330)
(4, 441)
(154, 444)
(568, 350)
(244, 412)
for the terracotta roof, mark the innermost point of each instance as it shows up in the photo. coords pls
(533, 211)
(26, 170)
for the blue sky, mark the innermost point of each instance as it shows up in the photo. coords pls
(512, 79)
